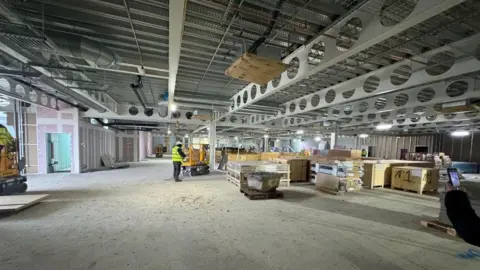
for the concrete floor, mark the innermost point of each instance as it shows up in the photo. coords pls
(133, 219)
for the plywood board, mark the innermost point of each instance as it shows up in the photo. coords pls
(15, 203)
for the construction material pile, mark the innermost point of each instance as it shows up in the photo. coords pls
(237, 172)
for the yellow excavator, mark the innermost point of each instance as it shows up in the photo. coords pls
(11, 181)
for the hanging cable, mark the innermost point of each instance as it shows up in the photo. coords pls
(253, 48)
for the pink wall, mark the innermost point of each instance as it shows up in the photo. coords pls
(52, 121)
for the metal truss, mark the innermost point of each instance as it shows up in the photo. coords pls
(408, 103)
(372, 33)
(382, 83)
(23, 92)
(431, 123)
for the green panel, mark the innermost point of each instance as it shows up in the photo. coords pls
(61, 151)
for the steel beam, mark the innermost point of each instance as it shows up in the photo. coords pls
(373, 32)
(176, 21)
(465, 62)
(123, 114)
(440, 121)
(20, 91)
(391, 107)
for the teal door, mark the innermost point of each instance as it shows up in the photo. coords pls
(59, 152)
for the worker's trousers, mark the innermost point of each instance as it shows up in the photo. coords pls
(176, 169)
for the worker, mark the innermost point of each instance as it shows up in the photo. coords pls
(177, 157)
(461, 214)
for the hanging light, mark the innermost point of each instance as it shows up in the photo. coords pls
(383, 126)
(300, 131)
(236, 138)
(317, 139)
(173, 107)
(460, 133)
(363, 135)
(265, 136)
(186, 135)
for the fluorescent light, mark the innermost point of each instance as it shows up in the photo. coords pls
(265, 136)
(317, 139)
(236, 138)
(363, 135)
(300, 131)
(4, 102)
(173, 107)
(169, 132)
(186, 135)
(277, 140)
(460, 133)
(383, 126)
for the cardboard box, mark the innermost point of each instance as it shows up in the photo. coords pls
(327, 182)
(345, 153)
(415, 179)
(255, 69)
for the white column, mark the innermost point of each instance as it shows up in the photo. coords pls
(212, 136)
(333, 136)
(265, 144)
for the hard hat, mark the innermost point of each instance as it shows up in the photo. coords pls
(178, 143)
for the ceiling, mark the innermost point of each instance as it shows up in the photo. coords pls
(102, 46)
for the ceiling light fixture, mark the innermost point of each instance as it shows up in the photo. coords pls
(460, 133)
(383, 126)
(173, 107)
(186, 135)
(265, 136)
(363, 135)
(4, 102)
(236, 138)
(300, 131)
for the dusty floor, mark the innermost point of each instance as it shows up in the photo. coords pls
(133, 219)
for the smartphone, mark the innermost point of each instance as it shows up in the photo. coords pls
(453, 177)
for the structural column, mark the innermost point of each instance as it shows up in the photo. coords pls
(265, 144)
(212, 139)
(334, 136)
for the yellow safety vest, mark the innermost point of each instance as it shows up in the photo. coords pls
(175, 155)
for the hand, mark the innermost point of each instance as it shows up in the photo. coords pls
(449, 187)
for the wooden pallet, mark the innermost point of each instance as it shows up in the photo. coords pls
(15, 203)
(257, 195)
(438, 226)
(233, 180)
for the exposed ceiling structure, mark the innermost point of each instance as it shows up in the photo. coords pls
(351, 63)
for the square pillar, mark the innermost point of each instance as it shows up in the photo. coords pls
(212, 139)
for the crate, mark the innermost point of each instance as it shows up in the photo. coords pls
(415, 179)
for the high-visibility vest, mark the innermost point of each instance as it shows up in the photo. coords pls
(175, 155)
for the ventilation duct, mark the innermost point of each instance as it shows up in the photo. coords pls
(84, 48)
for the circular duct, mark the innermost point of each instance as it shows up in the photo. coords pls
(133, 110)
